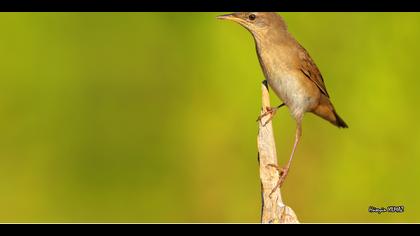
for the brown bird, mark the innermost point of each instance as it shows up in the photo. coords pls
(290, 72)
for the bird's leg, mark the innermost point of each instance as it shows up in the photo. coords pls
(270, 111)
(285, 170)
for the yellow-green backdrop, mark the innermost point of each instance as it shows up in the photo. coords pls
(150, 117)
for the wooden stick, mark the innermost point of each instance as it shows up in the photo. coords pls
(273, 209)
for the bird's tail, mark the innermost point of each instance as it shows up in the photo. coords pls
(338, 121)
(326, 110)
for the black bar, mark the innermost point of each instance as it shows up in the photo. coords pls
(210, 5)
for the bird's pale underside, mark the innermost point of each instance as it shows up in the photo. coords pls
(289, 70)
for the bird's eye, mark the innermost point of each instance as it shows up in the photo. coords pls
(252, 17)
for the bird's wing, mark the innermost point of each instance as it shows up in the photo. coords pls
(311, 71)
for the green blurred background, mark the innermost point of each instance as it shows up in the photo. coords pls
(150, 117)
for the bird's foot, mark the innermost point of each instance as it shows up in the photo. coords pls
(269, 111)
(282, 176)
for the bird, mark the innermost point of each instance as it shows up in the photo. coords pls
(290, 72)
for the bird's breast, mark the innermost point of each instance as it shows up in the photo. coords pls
(286, 88)
(292, 91)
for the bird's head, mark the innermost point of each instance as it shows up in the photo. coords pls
(257, 22)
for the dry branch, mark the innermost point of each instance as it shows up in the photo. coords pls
(273, 208)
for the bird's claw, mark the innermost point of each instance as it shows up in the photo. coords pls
(282, 176)
(269, 111)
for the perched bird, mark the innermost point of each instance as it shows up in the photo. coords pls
(290, 72)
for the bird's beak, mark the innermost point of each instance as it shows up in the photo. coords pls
(231, 17)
